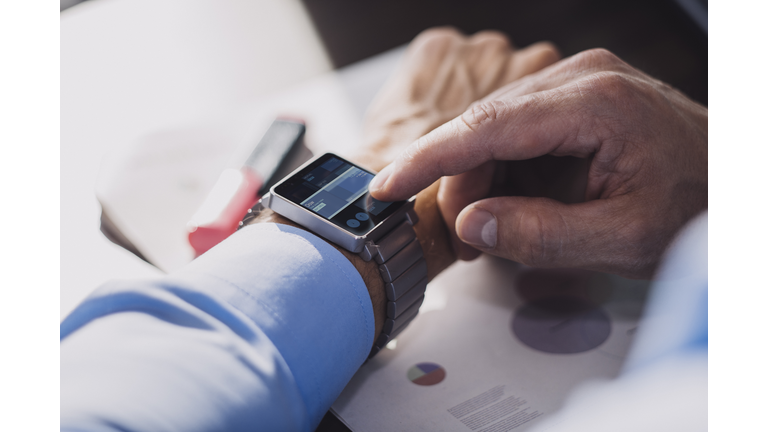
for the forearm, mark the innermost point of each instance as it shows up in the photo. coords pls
(264, 329)
(159, 361)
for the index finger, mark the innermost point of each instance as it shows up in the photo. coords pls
(549, 122)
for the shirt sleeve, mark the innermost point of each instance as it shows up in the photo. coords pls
(262, 332)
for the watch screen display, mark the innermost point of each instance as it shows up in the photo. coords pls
(338, 191)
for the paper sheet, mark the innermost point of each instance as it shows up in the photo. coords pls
(497, 347)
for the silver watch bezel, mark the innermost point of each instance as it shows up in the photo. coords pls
(323, 227)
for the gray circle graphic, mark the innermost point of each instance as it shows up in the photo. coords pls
(354, 223)
(561, 326)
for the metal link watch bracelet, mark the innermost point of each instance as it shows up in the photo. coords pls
(404, 270)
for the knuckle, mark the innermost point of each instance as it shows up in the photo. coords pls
(492, 38)
(614, 87)
(599, 57)
(437, 37)
(425, 150)
(480, 114)
(548, 51)
(414, 151)
(534, 240)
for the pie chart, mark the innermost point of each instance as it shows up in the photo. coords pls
(426, 374)
(561, 326)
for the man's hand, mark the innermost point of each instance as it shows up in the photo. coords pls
(442, 73)
(633, 148)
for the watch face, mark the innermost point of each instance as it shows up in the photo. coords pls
(337, 190)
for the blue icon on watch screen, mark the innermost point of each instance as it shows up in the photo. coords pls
(353, 223)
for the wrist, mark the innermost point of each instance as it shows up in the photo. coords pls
(431, 232)
(369, 271)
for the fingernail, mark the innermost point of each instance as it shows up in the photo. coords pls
(381, 178)
(478, 228)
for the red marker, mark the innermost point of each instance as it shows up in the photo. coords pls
(238, 190)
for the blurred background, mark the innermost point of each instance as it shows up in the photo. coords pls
(665, 38)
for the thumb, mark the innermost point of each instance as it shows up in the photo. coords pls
(541, 232)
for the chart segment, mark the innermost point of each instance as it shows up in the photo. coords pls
(426, 374)
(561, 326)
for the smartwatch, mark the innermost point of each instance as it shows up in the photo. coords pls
(329, 196)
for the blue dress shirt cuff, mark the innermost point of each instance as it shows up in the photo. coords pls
(304, 294)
